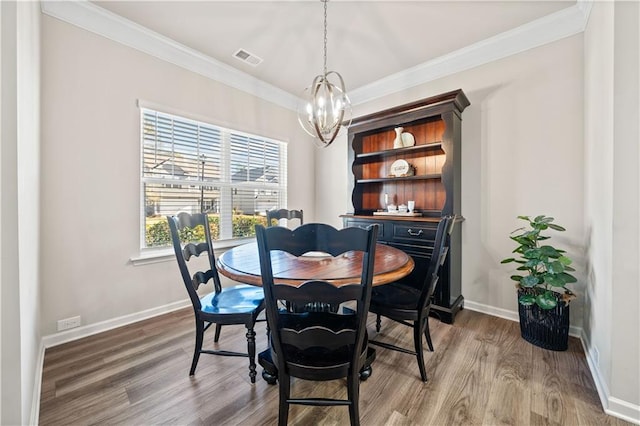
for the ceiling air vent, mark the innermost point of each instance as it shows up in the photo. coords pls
(247, 57)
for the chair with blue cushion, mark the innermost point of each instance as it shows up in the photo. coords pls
(239, 305)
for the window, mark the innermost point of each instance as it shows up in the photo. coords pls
(190, 166)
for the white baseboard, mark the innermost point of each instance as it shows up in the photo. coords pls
(37, 387)
(598, 379)
(91, 329)
(613, 406)
(624, 410)
(507, 314)
(491, 310)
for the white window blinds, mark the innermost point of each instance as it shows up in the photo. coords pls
(198, 167)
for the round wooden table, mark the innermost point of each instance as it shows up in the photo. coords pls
(242, 264)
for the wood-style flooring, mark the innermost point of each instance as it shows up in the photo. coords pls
(481, 373)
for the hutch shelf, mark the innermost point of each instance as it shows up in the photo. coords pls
(434, 184)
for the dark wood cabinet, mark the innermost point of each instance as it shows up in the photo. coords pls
(434, 184)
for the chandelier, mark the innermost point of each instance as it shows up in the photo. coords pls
(324, 105)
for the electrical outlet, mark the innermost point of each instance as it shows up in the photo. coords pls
(67, 323)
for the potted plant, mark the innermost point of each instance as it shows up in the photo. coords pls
(543, 296)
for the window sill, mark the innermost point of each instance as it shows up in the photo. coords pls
(166, 254)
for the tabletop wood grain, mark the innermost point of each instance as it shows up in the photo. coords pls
(242, 264)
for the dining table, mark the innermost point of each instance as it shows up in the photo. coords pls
(242, 264)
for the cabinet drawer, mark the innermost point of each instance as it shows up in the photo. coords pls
(415, 233)
(364, 224)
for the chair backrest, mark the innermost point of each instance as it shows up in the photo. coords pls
(322, 330)
(185, 225)
(438, 257)
(283, 214)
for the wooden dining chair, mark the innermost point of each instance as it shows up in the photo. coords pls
(239, 305)
(317, 345)
(284, 214)
(409, 303)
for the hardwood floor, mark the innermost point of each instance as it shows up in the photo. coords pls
(482, 372)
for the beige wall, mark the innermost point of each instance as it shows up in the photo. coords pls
(625, 334)
(19, 214)
(90, 169)
(599, 179)
(11, 390)
(522, 154)
(612, 97)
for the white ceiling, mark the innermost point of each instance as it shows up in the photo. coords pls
(367, 40)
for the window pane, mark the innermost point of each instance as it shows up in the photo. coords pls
(172, 198)
(254, 160)
(254, 200)
(176, 149)
(190, 166)
(249, 209)
(244, 225)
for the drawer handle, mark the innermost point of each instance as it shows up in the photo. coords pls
(413, 233)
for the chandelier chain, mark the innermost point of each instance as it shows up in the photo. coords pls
(325, 36)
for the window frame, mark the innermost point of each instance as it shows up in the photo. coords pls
(225, 184)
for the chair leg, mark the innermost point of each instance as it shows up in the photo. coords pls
(417, 340)
(365, 373)
(353, 394)
(251, 346)
(269, 377)
(378, 323)
(284, 383)
(216, 337)
(198, 348)
(427, 334)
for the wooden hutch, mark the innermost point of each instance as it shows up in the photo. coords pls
(433, 182)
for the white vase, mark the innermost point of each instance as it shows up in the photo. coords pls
(397, 142)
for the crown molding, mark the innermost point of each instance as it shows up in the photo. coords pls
(564, 23)
(558, 25)
(114, 27)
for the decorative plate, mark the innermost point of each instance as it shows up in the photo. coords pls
(408, 139)
(399, 168)
(316, 254)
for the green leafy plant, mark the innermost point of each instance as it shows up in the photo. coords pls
(244, 225)
(547, 268)
(158, 234)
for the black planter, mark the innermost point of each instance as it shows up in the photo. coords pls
(548, 329)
